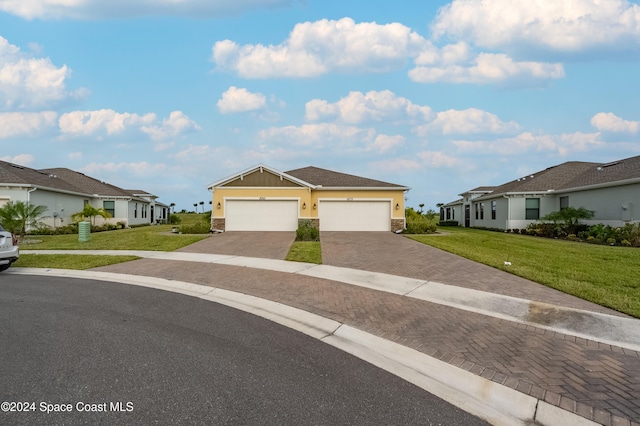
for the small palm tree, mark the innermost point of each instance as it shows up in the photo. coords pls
(17, 216)
(173, 207)
(90, 212)
(202, 204)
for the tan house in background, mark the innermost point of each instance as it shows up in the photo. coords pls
(262, 198)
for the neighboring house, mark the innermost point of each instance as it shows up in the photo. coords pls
(264, 199)
(159, 211)
(65, 192)
(611, 190)
(455, 210)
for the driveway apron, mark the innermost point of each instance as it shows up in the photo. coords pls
(268, 245)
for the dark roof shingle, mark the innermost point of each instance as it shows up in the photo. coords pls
(328, 178)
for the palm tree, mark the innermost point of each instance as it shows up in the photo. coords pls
(202, 204)
(90, 212)
(17, 216)
(173, 207)
(195, 205)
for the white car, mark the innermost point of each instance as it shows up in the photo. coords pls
(9, 251)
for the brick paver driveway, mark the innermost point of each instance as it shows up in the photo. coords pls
(397, 255)
(269, 245)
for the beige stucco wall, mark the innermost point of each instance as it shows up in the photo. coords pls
(305, 197)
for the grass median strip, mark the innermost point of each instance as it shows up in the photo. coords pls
(604, 275)
(69, 261)
(305, 251)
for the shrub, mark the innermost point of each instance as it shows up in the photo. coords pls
(307, 232)
(195, 228)
(572, 237)
(174, 219)
(448, 223)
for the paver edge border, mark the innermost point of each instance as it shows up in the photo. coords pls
(474, 394)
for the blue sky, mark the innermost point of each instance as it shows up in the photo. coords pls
(442, 96)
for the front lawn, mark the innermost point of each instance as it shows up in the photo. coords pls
(156, 237)
(608, 276)
(69, 261)
(305, 251)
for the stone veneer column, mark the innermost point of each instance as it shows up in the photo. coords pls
(217, 223)
(397, 225)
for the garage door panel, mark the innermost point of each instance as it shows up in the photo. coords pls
(355, 215)
(261, 215)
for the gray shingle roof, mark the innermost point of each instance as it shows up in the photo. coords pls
(88, 184)
(15, 174)
(328, 178)
(573, 174)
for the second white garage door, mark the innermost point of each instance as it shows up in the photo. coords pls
(261, 215)
(355, 215)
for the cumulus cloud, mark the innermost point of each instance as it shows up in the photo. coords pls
(609, 122)
(373, 106)
(423, 160)
(561, 26)
(488, 68)
(468, 121)
(109, 122)
(385, 143)
(26, 123)
(21, 159)
(240, 100)
(177, 124)
(316, 48)
(99, 9)
(32, 83)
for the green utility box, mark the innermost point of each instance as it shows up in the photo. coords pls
(84, 231)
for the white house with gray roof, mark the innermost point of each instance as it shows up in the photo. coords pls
(65, 192)
(611, 190)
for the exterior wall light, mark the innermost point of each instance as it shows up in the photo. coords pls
(397, 206)
(304, 206)
(218, 205)
(315, 206)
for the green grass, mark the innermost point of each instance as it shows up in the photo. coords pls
(157, 237)
(62, 261)
(305, 251)
(604, 275)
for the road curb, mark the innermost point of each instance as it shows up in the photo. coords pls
(496, 403)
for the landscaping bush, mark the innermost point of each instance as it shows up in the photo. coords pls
(448, 223)
(174, 219)
(195, 228)
(307, 232)
(418, 223)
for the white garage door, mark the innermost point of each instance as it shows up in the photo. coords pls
(261, 215)
(355, 215)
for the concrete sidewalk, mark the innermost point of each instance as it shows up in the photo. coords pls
(583, 362)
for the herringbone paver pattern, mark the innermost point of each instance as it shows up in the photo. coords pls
(597, 381)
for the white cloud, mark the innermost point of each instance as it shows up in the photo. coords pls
(142, 168)
(609, 122)
(423, 160)
(318, 135)
(316, 48)
(374, 106)
(100, 9)
(25, 123)
(564, 26)
(177, 123)
(384, 143)
(109, 122)
(488, 68)
(240, 100)
(21, 159)
(468, 121)
(32, 83)
(563, 144)
(75, 155)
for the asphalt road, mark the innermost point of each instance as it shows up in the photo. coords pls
(115, 354)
